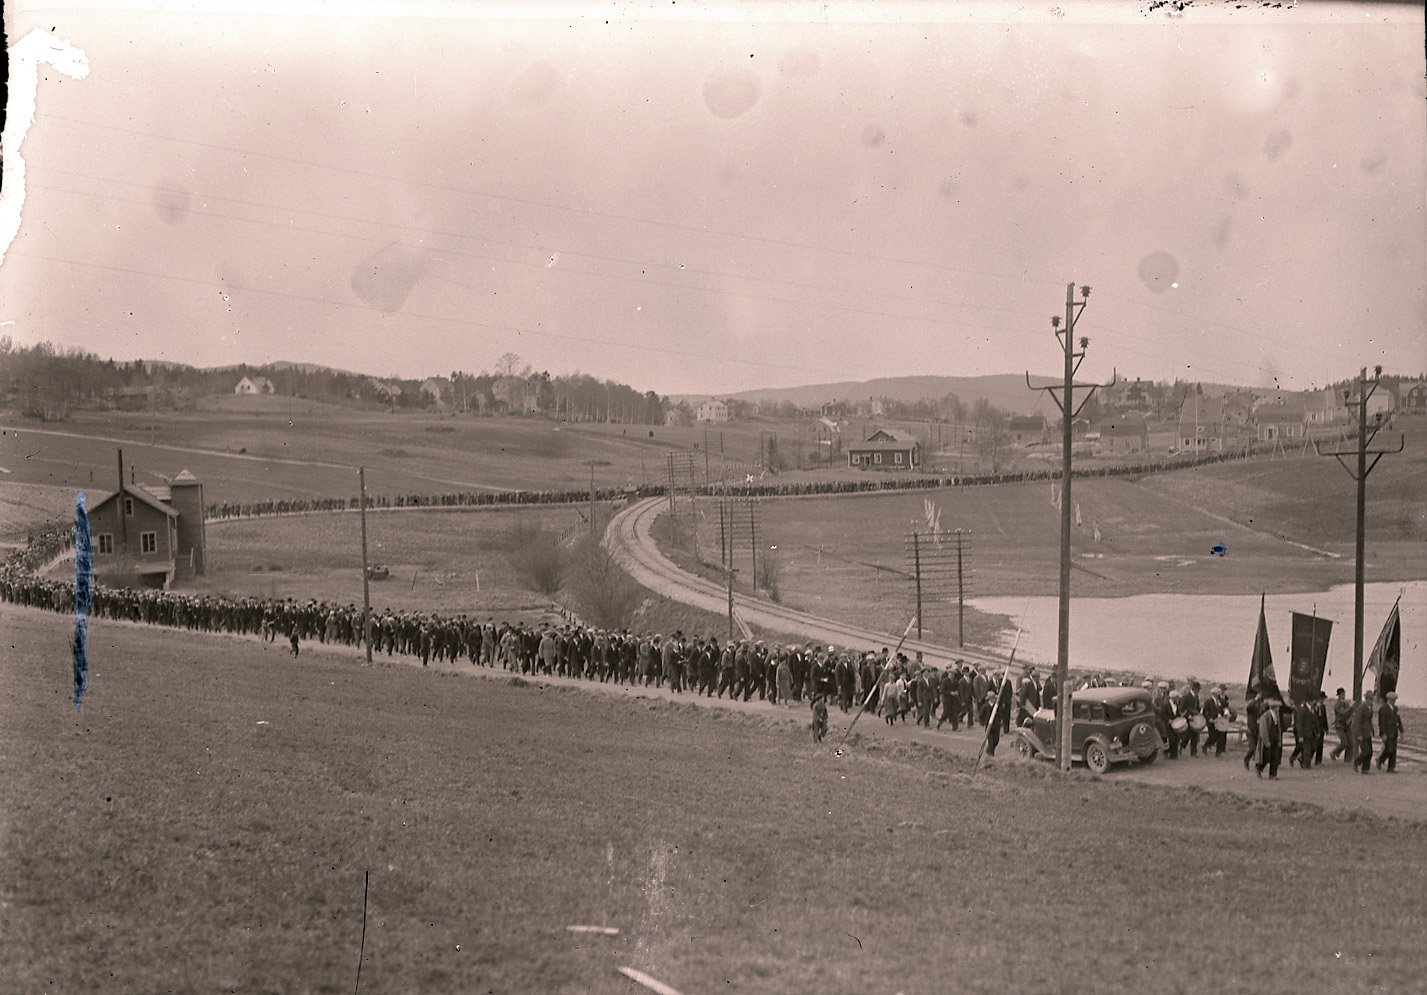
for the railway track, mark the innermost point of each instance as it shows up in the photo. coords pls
(629, 538)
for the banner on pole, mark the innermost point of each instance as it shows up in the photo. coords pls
(1308, 656)
(1387, 653)
(1262, 679)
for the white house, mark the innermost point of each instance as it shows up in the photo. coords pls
(712, 411)
(254, 385)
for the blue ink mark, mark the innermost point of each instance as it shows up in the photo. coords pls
(1218, 549)
(83, 594)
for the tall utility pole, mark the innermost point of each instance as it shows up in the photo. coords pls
(1366, 388)
(366, 577)
(593, 464)
(917, 565)
(960, 594)
(1068, 410)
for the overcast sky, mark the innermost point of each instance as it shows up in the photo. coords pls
(702, 202)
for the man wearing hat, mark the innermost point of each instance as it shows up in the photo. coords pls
(1362, 733)
(1218, 714)
(1164, 715)
(1389, 726)
(1190, 707)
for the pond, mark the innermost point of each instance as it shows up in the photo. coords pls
(1211, 636)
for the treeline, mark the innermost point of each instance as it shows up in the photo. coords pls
(43, 381)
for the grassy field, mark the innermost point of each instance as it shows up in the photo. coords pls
(206, 822)
(848, 556)
(446, 561)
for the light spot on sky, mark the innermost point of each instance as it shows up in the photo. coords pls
(800, 63)
(730, 92)
(535, 85)
(1158, 270)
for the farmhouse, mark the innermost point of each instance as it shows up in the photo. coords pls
(886, 449)
(436, 388)
(1127, 433)
(254, 385)
(1027, 431)
(1280, 421)
(712, 411)
(155, 532)
(1413, 399)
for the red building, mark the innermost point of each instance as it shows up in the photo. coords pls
(156, 533)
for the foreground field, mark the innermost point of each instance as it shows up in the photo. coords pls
(206, 822)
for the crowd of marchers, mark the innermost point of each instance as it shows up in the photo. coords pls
(887, 683)
(740, 488)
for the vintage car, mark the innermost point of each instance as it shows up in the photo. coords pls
(1108, 726)
(378, 572)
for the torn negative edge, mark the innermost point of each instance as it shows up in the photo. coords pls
(652, 984)
(25, 57)
(600, 930)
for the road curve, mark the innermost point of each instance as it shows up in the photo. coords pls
(629, 538)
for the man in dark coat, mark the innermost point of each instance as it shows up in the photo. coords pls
(1268, 751)
(1361, 726)
(1389, 726)
(1342, 715)
(1305, 735)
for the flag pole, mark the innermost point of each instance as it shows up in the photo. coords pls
(875, 684)
(995, 709)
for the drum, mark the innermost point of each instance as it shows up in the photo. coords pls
(1198, 723)
(1221, 724)
(1179, 724)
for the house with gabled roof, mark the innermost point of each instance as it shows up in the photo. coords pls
(154, 532)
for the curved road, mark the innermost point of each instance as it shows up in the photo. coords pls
(628, 537)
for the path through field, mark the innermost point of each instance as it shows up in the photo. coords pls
(628, 536)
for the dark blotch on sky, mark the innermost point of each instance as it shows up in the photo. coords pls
(1158, 270)
(1373, 163)
(1279, 141)
(1221, 230)
(873, 135)
(172, 204)
(386, 278)
(535, 85)
(969, 119)
(799, 62)
(949, 187)
(1235, 186)
(730, 92)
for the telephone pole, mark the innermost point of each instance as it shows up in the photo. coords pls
(366, 576)
(1366, 388)
(1068, 410)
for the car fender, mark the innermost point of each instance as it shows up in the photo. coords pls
(1028, 734)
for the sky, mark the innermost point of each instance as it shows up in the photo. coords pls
(713, 197)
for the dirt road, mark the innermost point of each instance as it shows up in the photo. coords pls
(629, 538)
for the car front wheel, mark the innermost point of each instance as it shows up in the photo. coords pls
(1023, 748)
(1096, 758)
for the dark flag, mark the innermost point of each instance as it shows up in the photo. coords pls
(1308, 656)
(1387, 653)
(1262, 679)
(83, 595)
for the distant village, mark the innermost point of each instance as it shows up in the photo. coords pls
(869, 433)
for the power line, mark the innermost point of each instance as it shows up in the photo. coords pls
(536, 265)
(585, 211)
(681, 268)
(464, 323)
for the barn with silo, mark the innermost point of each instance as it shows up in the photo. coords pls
(150, 535)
